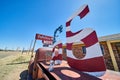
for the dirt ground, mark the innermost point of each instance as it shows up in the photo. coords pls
(13, 65)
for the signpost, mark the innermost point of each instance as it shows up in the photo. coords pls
(46, 40)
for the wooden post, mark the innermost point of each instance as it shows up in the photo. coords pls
(33, 49)
(112, 56)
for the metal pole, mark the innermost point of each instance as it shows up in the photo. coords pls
(33, 49)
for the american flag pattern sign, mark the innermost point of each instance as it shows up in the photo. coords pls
(93, 62)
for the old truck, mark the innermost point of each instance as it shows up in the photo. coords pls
(36, 71)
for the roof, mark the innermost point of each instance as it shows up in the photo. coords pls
(110, 37)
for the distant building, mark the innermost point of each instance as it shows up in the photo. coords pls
(110, 46)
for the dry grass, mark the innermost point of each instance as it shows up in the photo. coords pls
(12, 66)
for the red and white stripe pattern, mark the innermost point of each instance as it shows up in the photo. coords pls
(59, 46)
(93, 62)
(56, 59)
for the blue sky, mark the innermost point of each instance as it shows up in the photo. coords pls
(20, 20)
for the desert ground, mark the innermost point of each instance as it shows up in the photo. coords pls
(13, 65)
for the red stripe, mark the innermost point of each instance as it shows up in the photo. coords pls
(59, 57)
(91, 39)
(69, 33)
(68, 23)
(84, 12)
(69, 46)
(89, 65)
(60, 45)
(53, 49)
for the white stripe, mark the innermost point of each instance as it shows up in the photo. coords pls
(60, 51)
(77, 13)
(53, 54)
(77, 38)
(93, 51)
(68, 28)
(70, 54)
